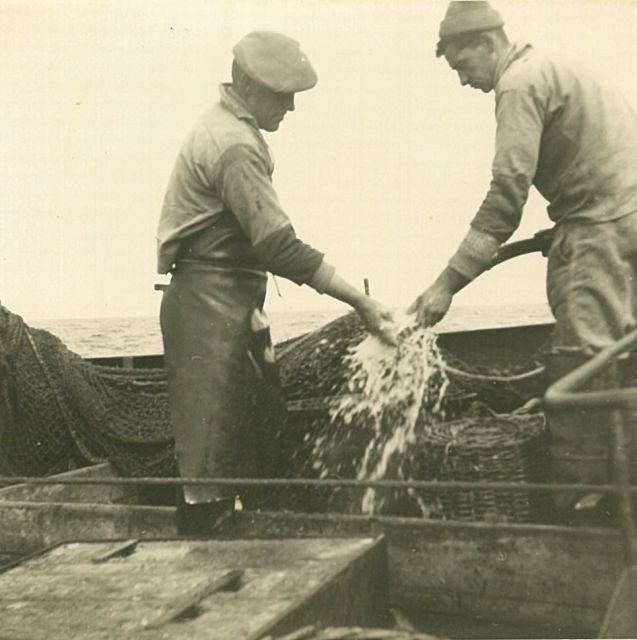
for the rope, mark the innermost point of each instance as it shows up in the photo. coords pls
(527, 375)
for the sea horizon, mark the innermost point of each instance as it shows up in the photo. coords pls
(141, 335)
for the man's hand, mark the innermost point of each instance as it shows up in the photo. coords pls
(432, 305)
(378, 320)
(375, 317)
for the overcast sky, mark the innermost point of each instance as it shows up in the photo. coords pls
(382, 165)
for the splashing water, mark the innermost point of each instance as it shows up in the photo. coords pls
(396, 391)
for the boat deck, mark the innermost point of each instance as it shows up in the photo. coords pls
(544, 580)
(187, 588)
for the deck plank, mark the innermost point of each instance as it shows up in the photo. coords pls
(63, 594)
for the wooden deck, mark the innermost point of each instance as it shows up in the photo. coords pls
(193, 589)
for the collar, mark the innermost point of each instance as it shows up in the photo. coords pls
(514, 51)
(233, 102)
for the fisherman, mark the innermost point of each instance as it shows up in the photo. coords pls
(221, 228)
(574, 137)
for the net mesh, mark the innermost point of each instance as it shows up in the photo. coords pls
(312, 366)
(60, 412)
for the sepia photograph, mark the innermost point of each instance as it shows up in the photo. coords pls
(318, 319)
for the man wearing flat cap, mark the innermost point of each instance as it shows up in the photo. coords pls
(574, 137)
(221, 229)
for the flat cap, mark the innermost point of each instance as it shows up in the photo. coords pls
(276, 61)
(467, 16)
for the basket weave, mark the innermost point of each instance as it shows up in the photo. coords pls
(492, 449)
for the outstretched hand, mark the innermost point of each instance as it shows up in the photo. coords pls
(431, 306)
(379, 321)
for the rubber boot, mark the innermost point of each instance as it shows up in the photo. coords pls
(579, 447)
(201, 518)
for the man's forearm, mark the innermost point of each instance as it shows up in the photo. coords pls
(452, 280)
(340, 289)
(326, 281)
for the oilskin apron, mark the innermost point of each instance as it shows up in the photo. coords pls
(224, 393)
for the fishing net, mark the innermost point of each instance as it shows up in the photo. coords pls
(60, 412)
(312, 367)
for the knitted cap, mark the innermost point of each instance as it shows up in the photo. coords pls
(275, 61)
(467, 16)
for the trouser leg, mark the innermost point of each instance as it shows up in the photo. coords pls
(579, 438)
(591, 284)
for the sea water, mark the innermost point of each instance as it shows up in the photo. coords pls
(93, 337)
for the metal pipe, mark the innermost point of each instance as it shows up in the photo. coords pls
(316, 482)
(622, 478)
(563, 394)
(541, 241)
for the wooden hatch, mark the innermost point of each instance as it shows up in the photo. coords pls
(194, 589)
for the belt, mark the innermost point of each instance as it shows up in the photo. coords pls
(222, 263)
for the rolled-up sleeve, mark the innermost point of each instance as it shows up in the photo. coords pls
(520, 118)
(245, 186)
(475, 254)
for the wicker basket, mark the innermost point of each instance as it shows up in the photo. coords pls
(489, 449)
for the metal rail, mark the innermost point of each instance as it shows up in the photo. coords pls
(566, 395)
(316, 482)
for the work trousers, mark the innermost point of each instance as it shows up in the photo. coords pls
(592, 292)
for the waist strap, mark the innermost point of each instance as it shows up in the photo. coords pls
(222, 262)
